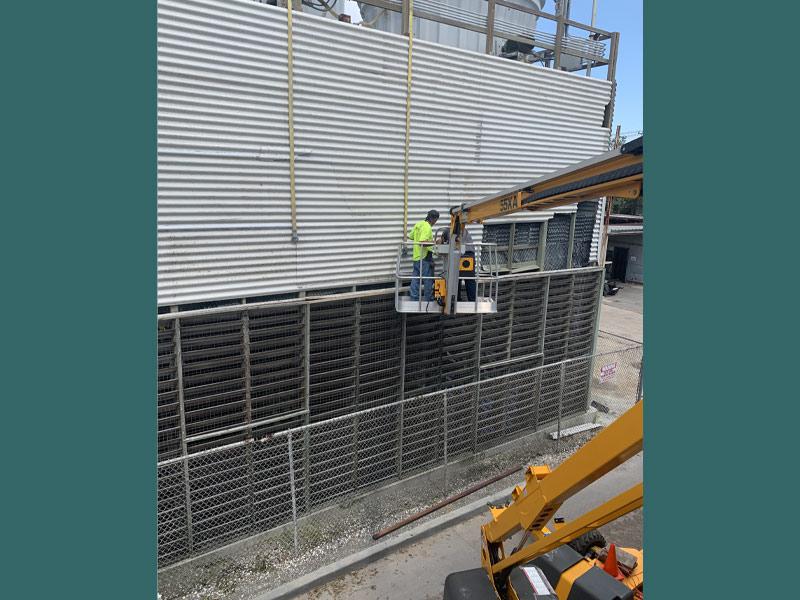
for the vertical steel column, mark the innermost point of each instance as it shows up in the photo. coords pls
(542, 334)
(402, 405)
(444, 429)
(560, 405)
(559, 41)
(598, 308)
(571, 242)
(490, 27)
(475, 419)
(592, 35)
(307, 404)
(405, 15)
(608, 114)
(512, 233)
(639, 384)
(292, 488)
(182, 416)
(542, 252)
(511, 318)
(248, 402)
(477, 392)
(356, 392)
(248, 412)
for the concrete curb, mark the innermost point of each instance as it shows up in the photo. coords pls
(324, 574)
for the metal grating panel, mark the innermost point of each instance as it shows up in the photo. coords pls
(172, 515)
(557, 242)
(479, 124)
(526, 326)
(169, 443)
(333, 359)
(423, 354)
(276, 364)
(212, 352)
(459, 361)
(355, 355)
(378, 366)
(495, 333)
(526, 243)
(584, 231)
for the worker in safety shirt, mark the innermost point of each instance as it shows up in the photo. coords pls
(423, 256)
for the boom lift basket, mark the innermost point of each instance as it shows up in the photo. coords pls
(482, 267)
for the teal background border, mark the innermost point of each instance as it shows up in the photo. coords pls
(78, 237)
(721, 349)
(78, 242)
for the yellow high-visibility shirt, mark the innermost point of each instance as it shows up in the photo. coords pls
(422, 232)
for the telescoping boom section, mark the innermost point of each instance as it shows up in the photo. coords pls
(567, 562)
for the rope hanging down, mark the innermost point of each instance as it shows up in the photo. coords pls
(290, 99)
(408, 116)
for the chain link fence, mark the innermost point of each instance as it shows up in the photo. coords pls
(216, 496)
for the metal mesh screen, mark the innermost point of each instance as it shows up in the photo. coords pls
(517, 243)
(555, 256)
(584, 230)
(212, 354)
(500, 235)
(333, 359)
(340, 365)
(228, 493)
(423, 354)
(495, 332)
(528, 317)
(169, 443)
(526, 244)
(378, 365)
(276, 350)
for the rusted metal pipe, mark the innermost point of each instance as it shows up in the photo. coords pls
(445, 502)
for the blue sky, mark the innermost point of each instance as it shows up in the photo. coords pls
(624, 16)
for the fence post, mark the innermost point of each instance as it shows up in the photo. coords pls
(538, 398)
(292, 489)
(401, 408)
(307, 405)
(184, 447)
(560, 405)
(357, 392)
(639, 384)
(248, 413)
(444, 428)
(475, 418)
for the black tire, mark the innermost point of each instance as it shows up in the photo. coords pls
(583, 544)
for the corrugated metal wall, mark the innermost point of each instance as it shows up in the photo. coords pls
(479, 124)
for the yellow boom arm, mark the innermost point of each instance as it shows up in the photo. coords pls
(534, 505)
(618, 172)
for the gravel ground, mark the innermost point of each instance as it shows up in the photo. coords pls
(347, 527)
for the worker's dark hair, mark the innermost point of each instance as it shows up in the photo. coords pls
(433, 215)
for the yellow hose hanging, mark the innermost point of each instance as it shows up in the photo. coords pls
(290, 99)
(408, 116)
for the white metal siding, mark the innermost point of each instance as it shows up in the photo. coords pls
(479, 124)
(597, 233)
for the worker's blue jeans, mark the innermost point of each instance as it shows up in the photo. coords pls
(427, 271)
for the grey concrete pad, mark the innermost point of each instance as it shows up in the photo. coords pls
(622, 315)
